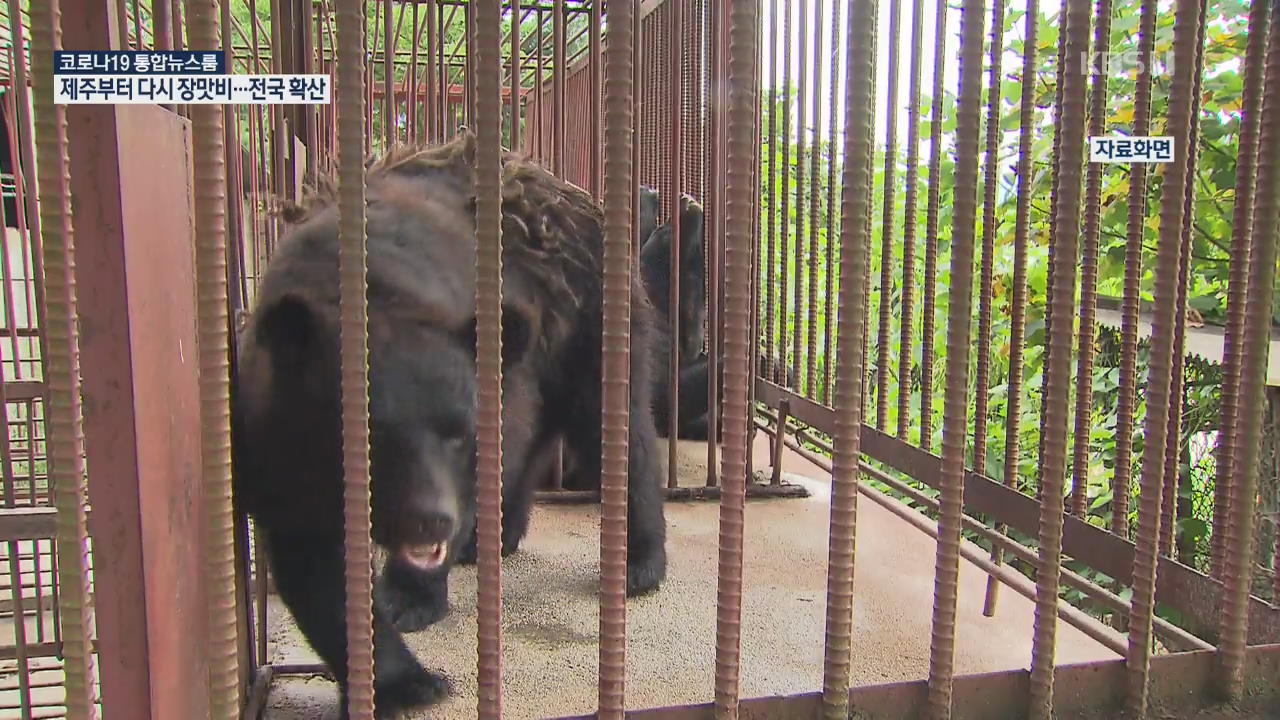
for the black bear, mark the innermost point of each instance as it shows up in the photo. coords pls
(695, 366)
(287, 428)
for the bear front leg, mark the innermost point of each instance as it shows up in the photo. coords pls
(308, 572)
(411, 598)
(646, 517)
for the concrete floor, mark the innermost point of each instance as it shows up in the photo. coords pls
(551, 616)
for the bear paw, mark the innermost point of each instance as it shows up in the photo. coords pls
(645, 571)
(414, 608)
(394, 699)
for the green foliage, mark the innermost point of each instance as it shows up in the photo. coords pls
(1211, 236)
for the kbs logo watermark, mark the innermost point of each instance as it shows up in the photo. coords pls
(1124, 64)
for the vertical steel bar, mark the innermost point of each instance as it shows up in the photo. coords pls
(1062, 63)
(488, 108)
(1185, 32)
(771, 323)
(1125, 404)
(742, 50)
(867, 217)
(209, 162)
(798, 260)
(435, 92)
(539, 93)
(815, 154)
(959, 321)
(557, 83)
(516, 72)
(931, 231)
(785, 359)
(1173, 450)
(1066, 227)
(909, 224)
(161, 25)
(887, 234)
(832, 268)
(995, 103)
(1238, 545)
(855, 242)
(717, 73)
(1242, 228)
(1089, 275)
(596, 61)
(65, 435)
(618, 198)
(354, 334)
(388, 77)
(674, 189)
(1018, 304)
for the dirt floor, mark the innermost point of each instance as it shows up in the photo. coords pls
(551, 616)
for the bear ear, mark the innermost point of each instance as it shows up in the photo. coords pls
(648, 219)
(517, 336)
(288, 328)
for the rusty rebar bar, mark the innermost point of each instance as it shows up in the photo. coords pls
(1089, 276)
(831, 270)
(619, 101)
(740, 189)
(1018, 303)
(674, 190)
(855, 242)
(784, 357)
(354, 334)
(1061, 65)
(1066, 224)
(1237, 551)
(1242, 228)
(991, 175)
(867, 218)
(910, 213)
(815, 156)
(886, 248)
(1136, 228)
(771, 264)
(488, 177)
(1177, 390)
(1185, 32)
(929, 308)
(959, 333)
(209, 162)
(65, 434)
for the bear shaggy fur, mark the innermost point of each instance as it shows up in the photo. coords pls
(422, 395)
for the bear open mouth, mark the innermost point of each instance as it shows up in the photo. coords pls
(426, 556)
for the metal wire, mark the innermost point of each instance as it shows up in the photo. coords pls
(1238, 545)
(65, 434)
(959, 333)
(210, 183)
(619, 101)
(1185, 31)
(354, 334)
(855, 248)
(1066, 227)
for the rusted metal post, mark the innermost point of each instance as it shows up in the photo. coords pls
(619, 185)
(1237, 566)
(209, 162)
(1161, 359)
(855, 242)
(488, 169)
(59, 311)
(886, 246)
(955, 413)
(354, 335)
(779, 440)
